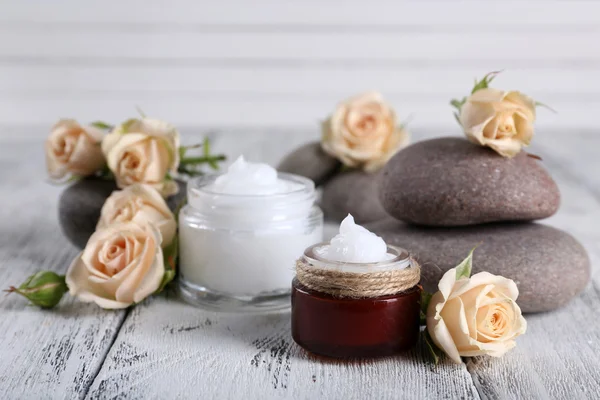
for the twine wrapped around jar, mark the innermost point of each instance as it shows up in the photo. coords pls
(358, 285)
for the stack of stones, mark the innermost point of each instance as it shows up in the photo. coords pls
(440, 198)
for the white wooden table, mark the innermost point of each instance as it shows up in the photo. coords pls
(164, 348)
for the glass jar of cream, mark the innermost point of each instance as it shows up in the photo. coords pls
(240, 235)
(355, 296)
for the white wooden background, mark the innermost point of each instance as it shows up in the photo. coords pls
(286, 63)
(262, 73)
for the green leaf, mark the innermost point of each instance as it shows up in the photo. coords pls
(125, 126)
(187, 165)
(433, 351)
(140, 111)
(202, 160)
(73, 178)
(167, 278)
(170, 255)
(102, 125)
(485, 81)
(457, 118)
(406, 121)
(184, 149)
(463, 270)
(182, 204)
(105, 173)
(189, 171)
(206, 146)
(540, 104)
(458, 103)
(425, 299)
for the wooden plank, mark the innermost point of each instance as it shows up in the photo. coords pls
(347, 46)
(45, 354)
(313, 12)
(102, 81)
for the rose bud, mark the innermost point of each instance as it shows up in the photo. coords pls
(44, 289)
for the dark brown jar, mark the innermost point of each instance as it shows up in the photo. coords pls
(333, 320)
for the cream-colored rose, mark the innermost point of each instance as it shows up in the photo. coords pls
(143, 151)
(141, 204)
(500, 120)
(121, 264)
(363, 132)
(73, 149)
(475, 316)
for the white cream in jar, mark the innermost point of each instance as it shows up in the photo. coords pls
(354, 244)
(356, 249)
(241, 233)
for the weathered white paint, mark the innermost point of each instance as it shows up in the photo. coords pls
(285, 63)
(43, 354)
(167, 349)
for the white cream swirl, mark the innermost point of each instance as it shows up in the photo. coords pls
(354, 244)
(246, 178)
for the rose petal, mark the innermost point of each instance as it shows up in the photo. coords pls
(152, 279)
(488, 95)
(525, 103)
(139, 268)
(502, 284)
(474, 117)
(441, 337)
(524, 128)
(79, 286)
(453, 314)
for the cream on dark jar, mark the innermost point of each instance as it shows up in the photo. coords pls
(240, 235)
(355, 296)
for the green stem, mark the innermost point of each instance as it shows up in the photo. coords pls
(204, 159)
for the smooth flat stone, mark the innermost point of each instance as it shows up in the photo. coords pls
(548, 265)
(311, 162)
(452, 182)
(80, 204)
(352, 192)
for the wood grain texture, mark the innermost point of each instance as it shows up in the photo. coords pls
(167, 349)
(332, 13)
(44, 354)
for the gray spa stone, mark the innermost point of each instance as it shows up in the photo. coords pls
(548, 265)
(80, 204)
(452, 182)
(311, 162)
(352, 192)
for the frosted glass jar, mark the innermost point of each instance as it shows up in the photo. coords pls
(238, 252)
